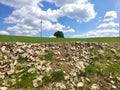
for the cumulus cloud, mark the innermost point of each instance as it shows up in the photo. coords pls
(3, 32)
(20, 3)
(27, 15)
(108, 25)
(60, 3)
(99, 33)
(81, 10)
(110, 15)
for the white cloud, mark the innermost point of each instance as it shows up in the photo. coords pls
(110, 15)
(27, 15)
(104, 29)
(108, 25)
(81, 10)
(60, 3)
(99, 33)
(20, 3)
(3, 32)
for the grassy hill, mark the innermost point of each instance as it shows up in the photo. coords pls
(4, 38)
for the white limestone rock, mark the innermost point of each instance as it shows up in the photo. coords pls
(80, 84)
(3, 88)
(94, 87)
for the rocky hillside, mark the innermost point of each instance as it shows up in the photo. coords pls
(59, 66)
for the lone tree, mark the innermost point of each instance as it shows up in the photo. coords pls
(59, 34)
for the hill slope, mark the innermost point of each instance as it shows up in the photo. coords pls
(63, 66)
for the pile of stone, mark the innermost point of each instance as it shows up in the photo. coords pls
(71, 57)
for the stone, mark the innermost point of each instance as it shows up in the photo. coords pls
(3, 88)
(87, 79)
(112, 82)
(94, 87)
(39, 78)
(80, 84)
(80, 65)
(48, 69)
(113, 50)
(31, 70)
(19, 50)
(67, 77)
(118, 78)
(38, 67)
(114, 87)
(11, 71)
(35, 83)
(2, 75)
(3, 48)
(61, 86)
(76, 79)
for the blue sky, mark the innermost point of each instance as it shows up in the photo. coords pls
(76, 18)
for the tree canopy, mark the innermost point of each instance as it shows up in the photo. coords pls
(59, 34)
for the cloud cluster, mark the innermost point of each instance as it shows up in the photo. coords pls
(27, 15)
(20, 3)
(107, 27)
(3, 32)
(110, 15)
(81, 10)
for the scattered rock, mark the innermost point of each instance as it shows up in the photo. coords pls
(35, 83)
(79, 52)
(3, 88)
(118, 78)
(94, 87)
(114, 87)
(11, 71)
(80, 84)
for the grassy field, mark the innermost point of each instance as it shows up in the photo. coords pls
(4, 38)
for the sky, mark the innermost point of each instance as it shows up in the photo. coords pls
(75, 18)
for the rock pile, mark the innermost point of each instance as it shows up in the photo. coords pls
(26, 65)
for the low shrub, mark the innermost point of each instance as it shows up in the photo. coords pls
(48, 56)
(57, 75)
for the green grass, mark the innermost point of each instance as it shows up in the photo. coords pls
(5, 38)
(57, 75)
(48, 56)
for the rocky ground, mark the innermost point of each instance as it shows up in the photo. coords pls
(60, 66)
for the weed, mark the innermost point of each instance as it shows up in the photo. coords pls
(81, 73)
(69, 57)
(114, 69)
(22, 60)
(57, 75)
(81, 56)
(94, 50)
(1, 57)
(109, 55)
(91, 70)
(1, 81)
(24, 79)
(48, 56)
(46, 79)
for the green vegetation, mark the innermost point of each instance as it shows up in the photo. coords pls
(92, 69)
(4, 38)
(22, 60)
(23, 80)
(1, 57)
(48, 56)
(57, 75)
(46, 79)
(68, 56)
(114, 69)
(59, 34)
